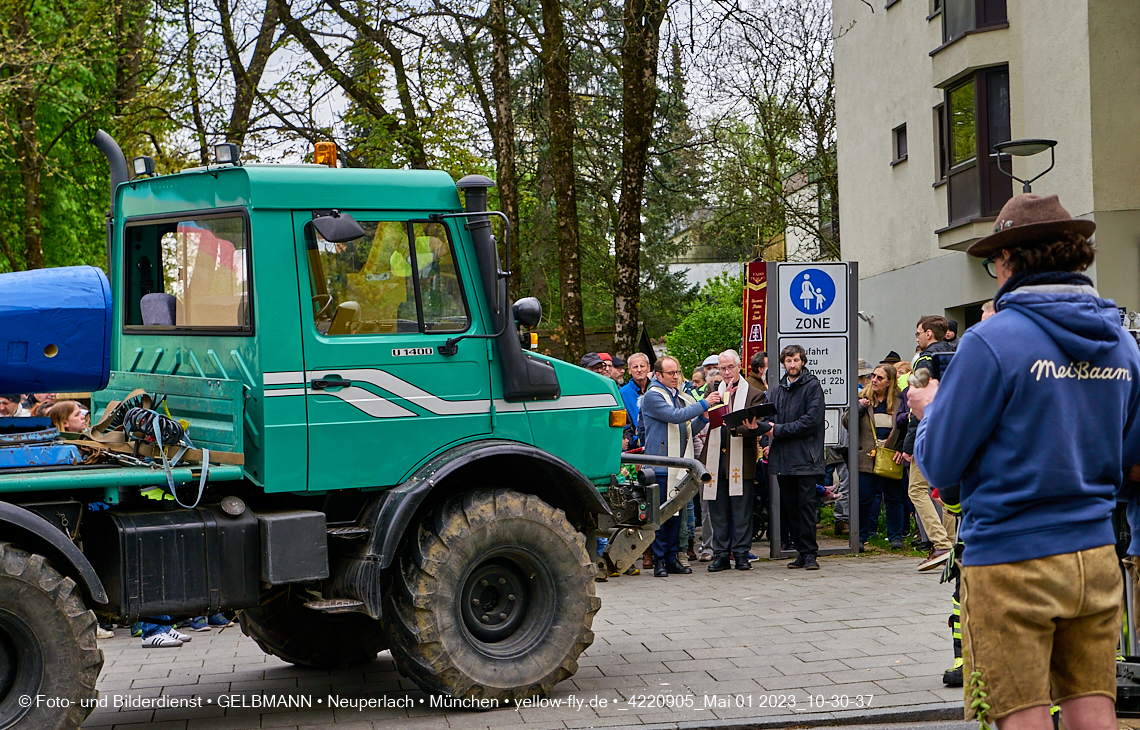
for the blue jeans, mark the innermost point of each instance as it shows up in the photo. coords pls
(667, 543)
(689, 526)
(149, 629)
(876, 491)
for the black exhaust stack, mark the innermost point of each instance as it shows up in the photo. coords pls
(524, 378)
(117, 161)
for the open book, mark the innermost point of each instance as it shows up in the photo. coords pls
(737, 418)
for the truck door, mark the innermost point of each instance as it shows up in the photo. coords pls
(381, 397)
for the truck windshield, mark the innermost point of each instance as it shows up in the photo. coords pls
(381, 283)
(188, 273)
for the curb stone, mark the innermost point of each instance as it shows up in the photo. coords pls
(935, 712)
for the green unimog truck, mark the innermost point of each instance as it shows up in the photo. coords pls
(387, 466)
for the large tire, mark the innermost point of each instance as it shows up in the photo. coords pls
(47, 645)
(283, 627)
(529, 570)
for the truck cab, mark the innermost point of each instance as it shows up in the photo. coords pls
(339, 347)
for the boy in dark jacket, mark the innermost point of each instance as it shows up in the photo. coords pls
(796, 452)
(1037, 419)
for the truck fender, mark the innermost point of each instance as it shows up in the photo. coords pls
(35, 534)
(391, 513)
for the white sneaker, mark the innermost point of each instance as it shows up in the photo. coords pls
(102, 633)
(160, 641)
(179, 635)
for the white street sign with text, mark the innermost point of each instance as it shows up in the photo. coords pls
(827, 358)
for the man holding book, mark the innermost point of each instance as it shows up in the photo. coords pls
(730, 457)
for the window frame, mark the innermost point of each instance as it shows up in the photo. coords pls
(212, 331)
(983, 10)
(941, 153)
(984, 155)
(896, 157)
(366, 217)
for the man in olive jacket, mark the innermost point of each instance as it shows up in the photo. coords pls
(796, 455)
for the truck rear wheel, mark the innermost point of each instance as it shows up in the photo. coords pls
(47, 645)
(492, 598)
(283, 627)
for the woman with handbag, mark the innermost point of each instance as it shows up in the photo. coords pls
(880, 464)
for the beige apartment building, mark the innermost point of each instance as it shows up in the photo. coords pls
(924, 89)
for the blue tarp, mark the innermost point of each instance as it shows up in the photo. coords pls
(55, 330)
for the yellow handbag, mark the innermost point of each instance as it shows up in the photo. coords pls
(885, 465)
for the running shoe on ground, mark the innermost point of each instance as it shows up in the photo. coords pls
(160, 641)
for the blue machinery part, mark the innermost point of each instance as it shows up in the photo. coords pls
(55, 330)
(26, 442)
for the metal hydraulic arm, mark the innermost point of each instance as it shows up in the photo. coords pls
(626, 544)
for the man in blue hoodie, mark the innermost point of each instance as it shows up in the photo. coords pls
(1036, 418)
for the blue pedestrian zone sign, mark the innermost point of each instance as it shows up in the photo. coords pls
(812, 291)
(813, 298)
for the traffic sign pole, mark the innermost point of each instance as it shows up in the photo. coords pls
(852, 400)
(775, 528)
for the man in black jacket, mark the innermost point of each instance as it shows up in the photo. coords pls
(930, 333)
(796, 455)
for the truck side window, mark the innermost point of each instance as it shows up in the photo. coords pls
(189, 273)
(439, 282)
(380, 283)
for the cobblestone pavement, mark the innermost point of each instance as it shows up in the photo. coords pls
(865, 635)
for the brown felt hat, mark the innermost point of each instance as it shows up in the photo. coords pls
(1029, 219)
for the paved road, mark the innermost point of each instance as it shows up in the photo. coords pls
(717, 650)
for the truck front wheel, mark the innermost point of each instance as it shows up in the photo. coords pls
(492, 598)
(49, 662)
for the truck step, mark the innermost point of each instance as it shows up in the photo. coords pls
(349, 533)
(335, 605)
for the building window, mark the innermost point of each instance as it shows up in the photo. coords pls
(974, 118)
(940, 142)
(960, 16)
(898, 141)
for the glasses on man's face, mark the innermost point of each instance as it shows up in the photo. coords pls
(729, 367)
(990, 265)
(671, 373)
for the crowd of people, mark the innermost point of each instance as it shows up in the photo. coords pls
(67, 416)
(1012, 464)
(670, 415)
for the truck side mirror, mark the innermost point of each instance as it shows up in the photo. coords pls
(527, 312)
(337, 227)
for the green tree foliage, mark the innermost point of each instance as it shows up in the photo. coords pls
(773, 164)
(743, 104)
(674, 192)
(67, 68)
(714, 325)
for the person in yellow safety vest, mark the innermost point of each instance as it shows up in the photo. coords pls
(156, 493)
(952, 677)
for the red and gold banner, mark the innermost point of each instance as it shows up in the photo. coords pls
(755, 309)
